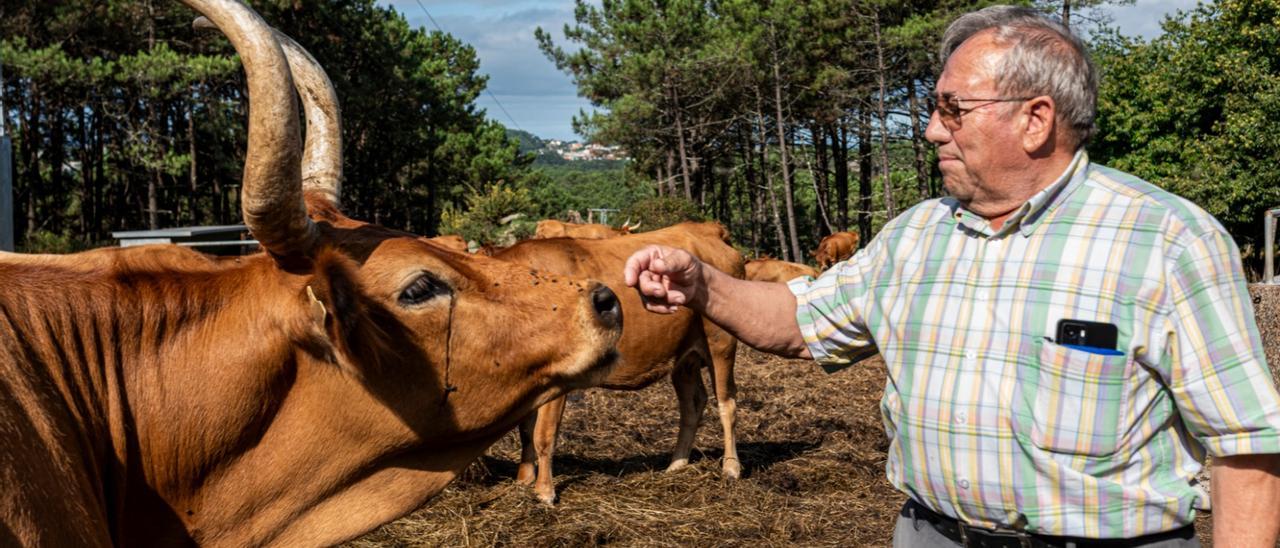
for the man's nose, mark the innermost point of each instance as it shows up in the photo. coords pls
(936, 133)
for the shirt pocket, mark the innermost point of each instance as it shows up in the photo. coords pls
(1071, 401)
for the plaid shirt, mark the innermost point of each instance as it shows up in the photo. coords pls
(993, 423)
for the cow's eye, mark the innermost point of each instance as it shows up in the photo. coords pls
(423, 289)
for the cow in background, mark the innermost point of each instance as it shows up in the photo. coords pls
(551, 228)
(303, 396)
(451, 241)
(652, 347)
(835, 248)
(774, 270)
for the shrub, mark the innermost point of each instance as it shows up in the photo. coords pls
(501, 216)
(655, 213)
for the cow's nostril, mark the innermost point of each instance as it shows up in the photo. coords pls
(606, 306)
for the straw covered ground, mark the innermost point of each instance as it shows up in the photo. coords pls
(812, 448)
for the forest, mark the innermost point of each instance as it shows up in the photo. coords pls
(783, 119)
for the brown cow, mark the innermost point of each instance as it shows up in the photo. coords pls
(652, 346)
(451, 241)
(551, 228)
(835, 248)
(303, 396)
(774, 270)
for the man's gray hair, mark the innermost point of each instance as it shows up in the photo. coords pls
(1044, 58)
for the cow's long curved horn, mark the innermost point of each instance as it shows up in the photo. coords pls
(271, 198)
(322, 150)
(322, 154)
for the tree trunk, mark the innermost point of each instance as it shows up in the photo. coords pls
(918, 142)
(660, 180)
(786, 160)
(882, 79)
(31, 156)
(1066, 13)
(57, 152)
(721, 188)
(671, 173)
(85, 137)
(749, 182)
(194, 198)
(822, 189)
(684, 159)
(100, 182)
(840, 154)
(864, 175)
(785, 250)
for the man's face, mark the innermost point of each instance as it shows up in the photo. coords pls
(978, 149)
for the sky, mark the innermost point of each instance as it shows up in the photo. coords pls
(527, 92)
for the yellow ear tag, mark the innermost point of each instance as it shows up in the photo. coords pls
(317, 308)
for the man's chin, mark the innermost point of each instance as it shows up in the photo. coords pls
(958, 194)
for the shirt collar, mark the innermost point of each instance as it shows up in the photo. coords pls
(1029, 214)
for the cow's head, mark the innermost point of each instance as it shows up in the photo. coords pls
(428, 346)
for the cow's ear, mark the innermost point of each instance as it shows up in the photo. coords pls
(352, 325)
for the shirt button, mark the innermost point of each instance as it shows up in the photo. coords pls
(962, 417)
(963, 483)
(982, 295)
(970, 356)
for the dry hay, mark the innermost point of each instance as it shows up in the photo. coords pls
(812, 449)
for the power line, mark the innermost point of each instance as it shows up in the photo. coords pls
(486, 89)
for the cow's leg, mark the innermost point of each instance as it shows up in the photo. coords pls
(544, 442)
(723, 348)
(528, 455)
(687, 379)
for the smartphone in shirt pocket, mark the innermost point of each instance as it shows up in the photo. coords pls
(1092, 337)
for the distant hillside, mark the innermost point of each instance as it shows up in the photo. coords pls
(528, 141)
(553, 152)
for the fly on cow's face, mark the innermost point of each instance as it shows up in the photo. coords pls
(423, 289)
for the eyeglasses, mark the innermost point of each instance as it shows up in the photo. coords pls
(949, 110)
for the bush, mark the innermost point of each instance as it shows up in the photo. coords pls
(655, 213)
(501, 216)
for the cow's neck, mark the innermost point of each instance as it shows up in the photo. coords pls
(136, 369)
(197, 417)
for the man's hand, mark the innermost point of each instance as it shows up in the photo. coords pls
(667, 278)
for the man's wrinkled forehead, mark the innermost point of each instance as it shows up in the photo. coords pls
(973, 66)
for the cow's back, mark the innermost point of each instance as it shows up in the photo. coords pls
(773, 270)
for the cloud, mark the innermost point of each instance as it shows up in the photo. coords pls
(539, 98)
(502, 34)
(1144, 17)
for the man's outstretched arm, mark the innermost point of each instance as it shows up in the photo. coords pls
(760, 314)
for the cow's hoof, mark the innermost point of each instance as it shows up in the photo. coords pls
(525, 474)
(547, 497)
(732, 468)
(678, 464)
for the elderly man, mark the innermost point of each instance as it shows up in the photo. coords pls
(1065, 342)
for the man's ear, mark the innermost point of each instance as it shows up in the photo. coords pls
(1039, 117)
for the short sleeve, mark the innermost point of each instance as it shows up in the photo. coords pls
(1216, 370)
(831, 310)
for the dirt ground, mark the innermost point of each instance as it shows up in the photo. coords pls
(811, 444)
